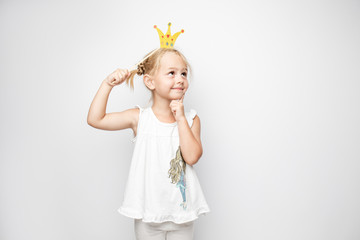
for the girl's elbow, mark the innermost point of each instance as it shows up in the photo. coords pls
(192, 161)
(201, 153)
(95, 124)
(198, 155)
(198, 158)
(91, 123)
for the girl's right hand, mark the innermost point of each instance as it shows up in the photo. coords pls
(117, 77)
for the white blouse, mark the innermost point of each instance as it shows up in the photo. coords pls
(161, 186)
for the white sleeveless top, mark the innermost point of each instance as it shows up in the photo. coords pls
(150, 193)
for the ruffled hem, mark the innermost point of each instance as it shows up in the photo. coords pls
(164, 218)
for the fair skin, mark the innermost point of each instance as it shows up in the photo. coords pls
(169, 85)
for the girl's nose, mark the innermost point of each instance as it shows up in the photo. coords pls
(179, 78)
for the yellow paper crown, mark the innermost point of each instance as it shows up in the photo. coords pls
(167, 40)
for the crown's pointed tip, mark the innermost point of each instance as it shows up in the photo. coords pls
(169, 23)
(155, 26)
(182, 30)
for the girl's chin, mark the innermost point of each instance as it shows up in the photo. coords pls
(177, 96)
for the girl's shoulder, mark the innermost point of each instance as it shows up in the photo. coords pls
(190, 116)
(191, 113)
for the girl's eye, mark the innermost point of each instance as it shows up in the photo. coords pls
(184, 74)
(171, 73)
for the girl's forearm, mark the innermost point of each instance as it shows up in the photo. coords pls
(190, 147)
(98, 106)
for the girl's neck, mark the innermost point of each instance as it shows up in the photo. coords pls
(161, 107)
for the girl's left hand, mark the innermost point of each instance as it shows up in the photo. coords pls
(177, 108)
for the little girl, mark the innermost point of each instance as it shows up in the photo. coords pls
(163, 194)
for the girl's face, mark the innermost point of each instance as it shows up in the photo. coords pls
(170, 79)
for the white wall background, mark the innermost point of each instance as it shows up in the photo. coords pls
(276, 85)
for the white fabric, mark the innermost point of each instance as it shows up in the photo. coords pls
(149, 193)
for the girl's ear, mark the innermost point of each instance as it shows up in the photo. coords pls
(149, 82)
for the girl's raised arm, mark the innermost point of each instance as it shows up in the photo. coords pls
(97, 116)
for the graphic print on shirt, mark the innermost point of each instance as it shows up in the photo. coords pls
(177, 175)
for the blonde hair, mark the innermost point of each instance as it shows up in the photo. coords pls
(177, 165)
(151, 64)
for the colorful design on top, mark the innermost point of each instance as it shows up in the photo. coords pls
(177, 175)
(167, 40)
